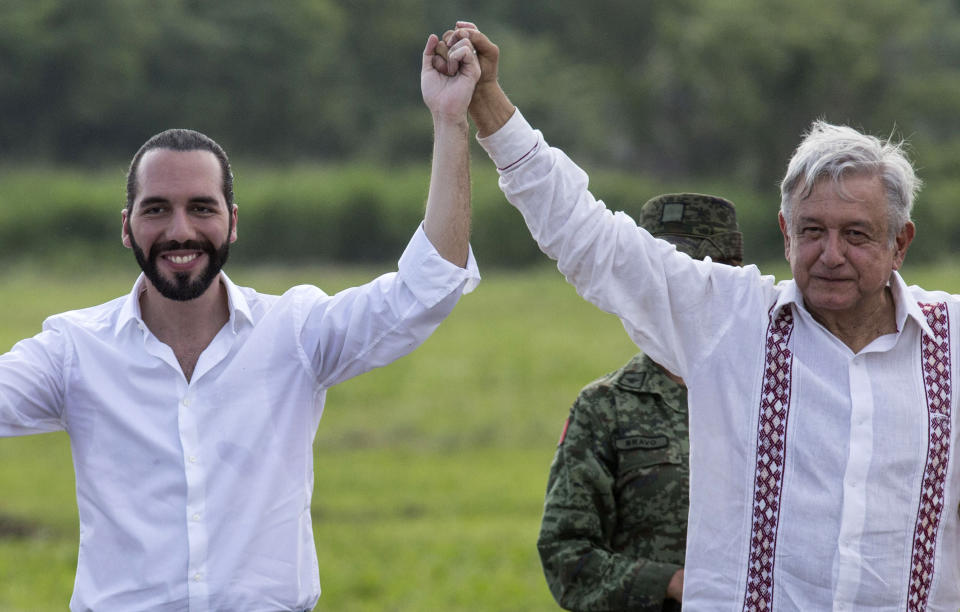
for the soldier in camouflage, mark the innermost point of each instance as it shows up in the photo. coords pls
(614, 525)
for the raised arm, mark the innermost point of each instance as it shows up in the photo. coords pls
(447, 86)
(490, 108)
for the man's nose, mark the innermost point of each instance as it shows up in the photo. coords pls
(833, 252)
(180, 228)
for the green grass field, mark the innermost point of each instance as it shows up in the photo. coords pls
(429, 472)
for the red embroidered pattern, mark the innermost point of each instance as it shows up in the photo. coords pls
(771, 452)
(935, 359)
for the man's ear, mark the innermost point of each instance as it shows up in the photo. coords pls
(902, 242)
(786, 235)
(233, 231)
(125, 228)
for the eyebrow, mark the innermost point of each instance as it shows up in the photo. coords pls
(803, 220)
(162, 200)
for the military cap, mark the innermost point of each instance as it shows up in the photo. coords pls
(699, 225)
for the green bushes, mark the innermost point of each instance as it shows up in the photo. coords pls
(305, 214)
(351, 214)
(360, 213)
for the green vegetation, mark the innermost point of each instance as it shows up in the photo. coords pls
(319, 107)
(677, 88)
(360, 213)
(305, 214)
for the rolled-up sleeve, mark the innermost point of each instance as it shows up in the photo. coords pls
(371, 325)
(429, 276)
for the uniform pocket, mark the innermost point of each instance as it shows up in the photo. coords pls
(649, 464)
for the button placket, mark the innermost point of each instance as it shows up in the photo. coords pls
(195, 475)
(854, 493)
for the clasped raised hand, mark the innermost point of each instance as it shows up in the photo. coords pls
(448, 76)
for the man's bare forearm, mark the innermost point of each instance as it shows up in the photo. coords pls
(447, 219)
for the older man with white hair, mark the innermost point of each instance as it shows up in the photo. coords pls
(823, 417)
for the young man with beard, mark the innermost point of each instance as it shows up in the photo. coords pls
(192, 403)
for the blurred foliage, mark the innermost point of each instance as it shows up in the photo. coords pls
(309, 213)
(699, 95)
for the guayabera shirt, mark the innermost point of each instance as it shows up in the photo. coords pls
(196, 495)
(820, 479)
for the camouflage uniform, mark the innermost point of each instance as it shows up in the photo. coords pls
(615, 517)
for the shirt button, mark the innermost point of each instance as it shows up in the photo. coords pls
(186, 402)
(197, 577)
(196, 516)
(192, 459)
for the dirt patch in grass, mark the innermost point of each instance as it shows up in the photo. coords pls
(17, 527)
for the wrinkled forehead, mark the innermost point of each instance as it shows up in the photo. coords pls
(856, 199)
(850, 184)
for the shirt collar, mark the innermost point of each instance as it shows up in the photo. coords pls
(236, 302)
(130, 311)
(789, 295)
(905, 306)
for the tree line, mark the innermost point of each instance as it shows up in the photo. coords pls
(687, 92)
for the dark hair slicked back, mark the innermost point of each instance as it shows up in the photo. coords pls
(180, 139)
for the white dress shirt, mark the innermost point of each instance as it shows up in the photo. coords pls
(849, 526)
(196, 495)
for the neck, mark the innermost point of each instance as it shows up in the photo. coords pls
(860, 328)
(196, 320)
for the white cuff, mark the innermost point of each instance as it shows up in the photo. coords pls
(429, 276)
(513, 143)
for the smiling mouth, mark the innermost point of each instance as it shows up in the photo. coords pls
(181, 260)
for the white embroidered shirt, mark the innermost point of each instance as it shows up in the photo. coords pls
(820, 479)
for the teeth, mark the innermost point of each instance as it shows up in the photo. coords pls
(182, 259)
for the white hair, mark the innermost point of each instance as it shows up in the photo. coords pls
(834, 152)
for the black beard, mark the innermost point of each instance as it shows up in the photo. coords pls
(181, 289)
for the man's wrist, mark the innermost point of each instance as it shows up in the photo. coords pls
(490, 108)
(442, 121)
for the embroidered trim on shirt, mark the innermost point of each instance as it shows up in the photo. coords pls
(935, 359)
(771, 453)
